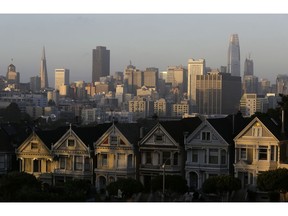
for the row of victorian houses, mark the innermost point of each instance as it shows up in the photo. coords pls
(195, 148)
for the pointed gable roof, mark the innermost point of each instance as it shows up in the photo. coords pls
(229, 126)
(176, 129)
(130, 130)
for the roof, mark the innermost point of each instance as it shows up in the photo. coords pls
(229, 126)
(130, 130)
(176, 129)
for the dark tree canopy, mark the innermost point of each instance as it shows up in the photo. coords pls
(127, 186)
(173, 183)
(221, 184)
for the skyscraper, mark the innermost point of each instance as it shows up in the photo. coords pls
(100, 63)
(234, 56)
(43, 71)
(61, 78)
(195, 67)
(248, 67)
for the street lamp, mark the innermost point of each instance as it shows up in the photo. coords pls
(163, 189)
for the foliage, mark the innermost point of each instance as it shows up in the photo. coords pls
(273, 180)
(127, 186)
(173, 183)
(19, 186)
(221, 184)
(12, 113)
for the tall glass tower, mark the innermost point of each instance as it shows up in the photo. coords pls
(43, 72)
(234, 56)
(100, 63)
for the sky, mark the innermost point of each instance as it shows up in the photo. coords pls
(146, 39)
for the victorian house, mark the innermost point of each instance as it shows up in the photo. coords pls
(162, 149)
(209, 149)
(260, 146)
(116, 154)
(60, 155)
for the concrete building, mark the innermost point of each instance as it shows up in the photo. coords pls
(250, 84)
(251, 103)
(160, 107)
(195, 67)
(133, 79)
(282, 84)
(180, 109)
(177, 76)
(12, 77)
(150, 77)
(35, 84)
(217, 93)
(100, 63)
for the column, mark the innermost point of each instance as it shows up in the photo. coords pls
(83, 163)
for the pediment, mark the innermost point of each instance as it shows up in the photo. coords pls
(70, 142)
(33, 145)
(113, 138)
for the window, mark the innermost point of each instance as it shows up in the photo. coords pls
(113, 140)
(223, 156)
(104, 160)
(175, 159)
(87, 164)
(78, 163)
(48, 166)
(2, 161)
(34, 146)
(36, 165)
(262, 153)
(206, 136)
(195, 156)
(243, 154)
(158, 138)
(166, 158)
(257, 130)
(213, 156)
(70, 142)
(62, 162)
(121, 160)
(272, 153)
(148, 158)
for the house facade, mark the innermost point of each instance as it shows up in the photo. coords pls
(116, 154)
(162, 149)
(259, 147)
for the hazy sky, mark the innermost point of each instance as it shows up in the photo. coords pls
(148, 40)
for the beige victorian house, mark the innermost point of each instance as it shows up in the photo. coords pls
(260, 146)
(116, 154)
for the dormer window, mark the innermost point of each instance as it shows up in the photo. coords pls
(34, 146)
(257, 130)
(70, 142)
(206, 136)
(113, 140)
(158, 138)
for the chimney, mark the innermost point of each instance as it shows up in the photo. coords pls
(282, 121)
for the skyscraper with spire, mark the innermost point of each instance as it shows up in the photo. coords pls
(234, 56)
(43, 71)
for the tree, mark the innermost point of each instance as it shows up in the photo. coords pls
(173, 183)
(273, 181)
(221, 185)
(12, 113)
(19, 186)
(127, 186)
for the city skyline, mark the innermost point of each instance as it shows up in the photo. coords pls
(147, 40)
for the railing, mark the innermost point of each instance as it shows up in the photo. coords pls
(74, 172)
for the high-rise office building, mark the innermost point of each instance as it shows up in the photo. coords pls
(43, 71)
(248, 67)
(218, 93)
(177, 76)
(195, 67)
(234, 56)
(61, 80)
(100, 63)
(133, 79)
(250, 84)
(13, 77)
(282, 84)
(35, 84)
(150, 77)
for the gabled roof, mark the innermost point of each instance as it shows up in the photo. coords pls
(89, 135)
(228, 127)
(176, 129)
(130, 130)
(271, 125)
